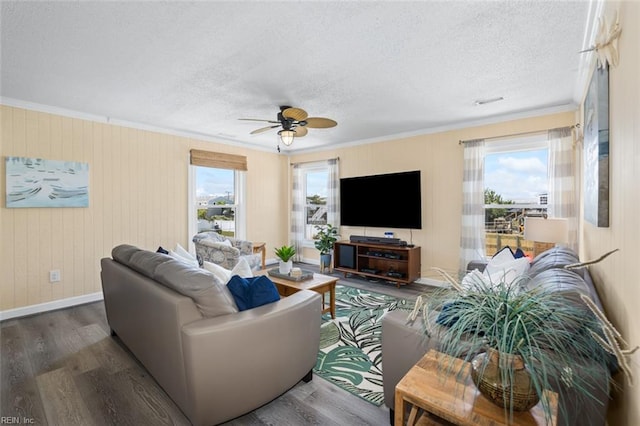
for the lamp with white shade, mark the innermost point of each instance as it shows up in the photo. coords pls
(545, 232)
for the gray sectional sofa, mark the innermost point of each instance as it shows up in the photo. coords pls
(404, 343)
(214, 362)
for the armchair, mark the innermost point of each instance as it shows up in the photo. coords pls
(224, 251)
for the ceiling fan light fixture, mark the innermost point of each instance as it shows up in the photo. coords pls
(286, 136)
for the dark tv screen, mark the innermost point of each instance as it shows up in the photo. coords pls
(382, 201)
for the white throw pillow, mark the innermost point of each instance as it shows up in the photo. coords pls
(507, 272)
(223, 274)
(503, 256)
(242, 268)
(181, 254)
(475, 280)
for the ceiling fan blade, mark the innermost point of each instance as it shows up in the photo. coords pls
(264, 129)
(297, 114)
(320, 123)
(300, 131)
(258, 119)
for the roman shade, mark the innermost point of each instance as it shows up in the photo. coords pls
(218, 160)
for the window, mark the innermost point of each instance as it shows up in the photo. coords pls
(216, 200)
(315, 195)
(516, 185)
(216, 193)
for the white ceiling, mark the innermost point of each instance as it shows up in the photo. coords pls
(380, 69)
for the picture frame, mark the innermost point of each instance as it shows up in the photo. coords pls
(596, 149)
(37, 182)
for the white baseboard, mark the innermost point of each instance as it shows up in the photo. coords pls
(432, 283)
(50, 306)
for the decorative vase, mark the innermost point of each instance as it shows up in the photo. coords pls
(512, 389)
(325, 262)
(285, 267)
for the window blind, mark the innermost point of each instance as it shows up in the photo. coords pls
(218, 160)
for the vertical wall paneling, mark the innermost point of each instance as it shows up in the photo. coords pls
(616, 278)
(137, 195)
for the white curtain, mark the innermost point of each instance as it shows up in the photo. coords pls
(562, 181)
(472, 241)
(333, 197)
(297, 211)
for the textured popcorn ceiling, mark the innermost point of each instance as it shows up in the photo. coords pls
(378, 68)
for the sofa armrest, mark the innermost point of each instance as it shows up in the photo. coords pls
(219, 246)
(237, 362)
(245, 247)
(216, 252)
(402, 347)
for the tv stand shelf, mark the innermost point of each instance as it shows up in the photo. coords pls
(398, 264)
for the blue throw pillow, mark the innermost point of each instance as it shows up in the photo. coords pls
(252, 292)
(444, 317)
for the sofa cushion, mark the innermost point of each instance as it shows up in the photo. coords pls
(555, 257)
(123, 253)
(209, 294)
(567, 283)
(252, 292)
(146, 262)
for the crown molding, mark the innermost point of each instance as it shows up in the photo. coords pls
(32, 106)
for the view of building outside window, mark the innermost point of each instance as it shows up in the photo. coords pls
(516, 186)
(316, 183)
(215, 200)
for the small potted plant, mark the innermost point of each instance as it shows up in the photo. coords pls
(325, 238)
(285, 254)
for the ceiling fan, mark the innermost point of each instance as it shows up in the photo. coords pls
(294, 123)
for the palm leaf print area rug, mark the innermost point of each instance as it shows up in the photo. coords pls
(350, 345)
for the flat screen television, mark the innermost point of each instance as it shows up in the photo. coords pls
(390, 200)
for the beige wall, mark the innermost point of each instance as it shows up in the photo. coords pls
(137, 195)
(617, 277)
(439, 158)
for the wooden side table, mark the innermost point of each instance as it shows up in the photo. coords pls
(448, 396)
(261, 247)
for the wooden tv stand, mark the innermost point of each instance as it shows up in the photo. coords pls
(386, 262)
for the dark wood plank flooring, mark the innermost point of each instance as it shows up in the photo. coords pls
(63, 368)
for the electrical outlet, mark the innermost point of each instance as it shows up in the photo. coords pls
(54, 276)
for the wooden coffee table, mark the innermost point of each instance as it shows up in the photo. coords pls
(319, 283)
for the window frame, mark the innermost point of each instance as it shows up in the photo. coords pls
(306, 170)
(522, 144)
(529, 143)
(239, 183)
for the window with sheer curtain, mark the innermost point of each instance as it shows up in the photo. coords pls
(315, 200)
(509, 179)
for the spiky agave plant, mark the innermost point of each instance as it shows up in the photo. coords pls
(546, 328)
